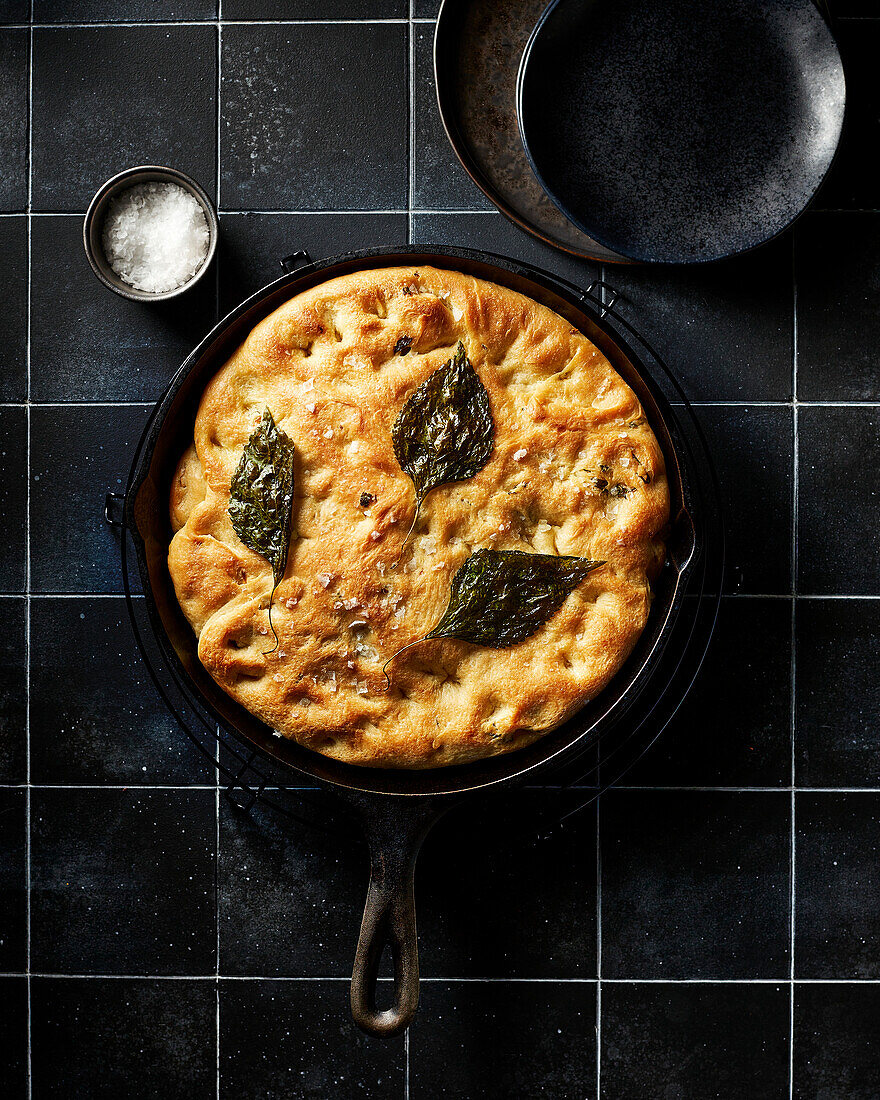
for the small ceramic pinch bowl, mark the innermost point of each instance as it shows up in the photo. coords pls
(93, 228)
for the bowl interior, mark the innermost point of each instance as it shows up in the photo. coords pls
(93, 228)
(638, 120)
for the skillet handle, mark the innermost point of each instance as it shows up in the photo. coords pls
(395, 830)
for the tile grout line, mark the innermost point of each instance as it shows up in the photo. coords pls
(159, 23)
(27, 606)
(483, 979)
(136, 787)
(428, 20)
(598, 949)
(411, 148)
(793, 686)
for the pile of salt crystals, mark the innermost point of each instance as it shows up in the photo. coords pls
(155, 236)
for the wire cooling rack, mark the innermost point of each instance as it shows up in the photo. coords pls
(250, 777)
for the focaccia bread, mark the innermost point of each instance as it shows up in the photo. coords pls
(575, 470)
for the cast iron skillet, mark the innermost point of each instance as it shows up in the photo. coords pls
(681, 132)
(396, 807)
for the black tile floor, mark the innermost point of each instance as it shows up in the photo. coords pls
(709, 929)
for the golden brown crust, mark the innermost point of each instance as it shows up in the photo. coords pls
(324, 364)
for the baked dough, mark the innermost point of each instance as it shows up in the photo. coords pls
(575, 469)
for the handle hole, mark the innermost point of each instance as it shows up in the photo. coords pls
(385, 969)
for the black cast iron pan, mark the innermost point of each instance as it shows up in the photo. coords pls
(397, 807)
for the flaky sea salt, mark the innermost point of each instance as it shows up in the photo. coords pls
(155, 236)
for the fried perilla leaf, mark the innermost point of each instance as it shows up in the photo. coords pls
(445, 431)
(261, 497)
(500, 597)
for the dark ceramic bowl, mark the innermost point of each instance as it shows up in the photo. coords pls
(680, 132)
(93, 228)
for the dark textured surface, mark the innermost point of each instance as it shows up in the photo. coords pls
(297, 1039)
(294, 139)
(134, 896)
(13, 691)
(670, 154)
(83, 75)
(252, 245)
(13, 920)
(13, 498)
(838, 696)
(727, 327)
(837, 934)
(107, 1038)
(13, 119)
(695, 1042)
(133, 347)
(13, 316)
(837, 525)
(310, 9)
(694, 884)
(92, 700)
(478, 46)
(88, 449)
(504, 1039)
(752, 448)
(492, 850)
(100, 11)
(290, 903)
(837, 1042)
(14, 1034)
(734, 727)
(150, 873)
(837, 266)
